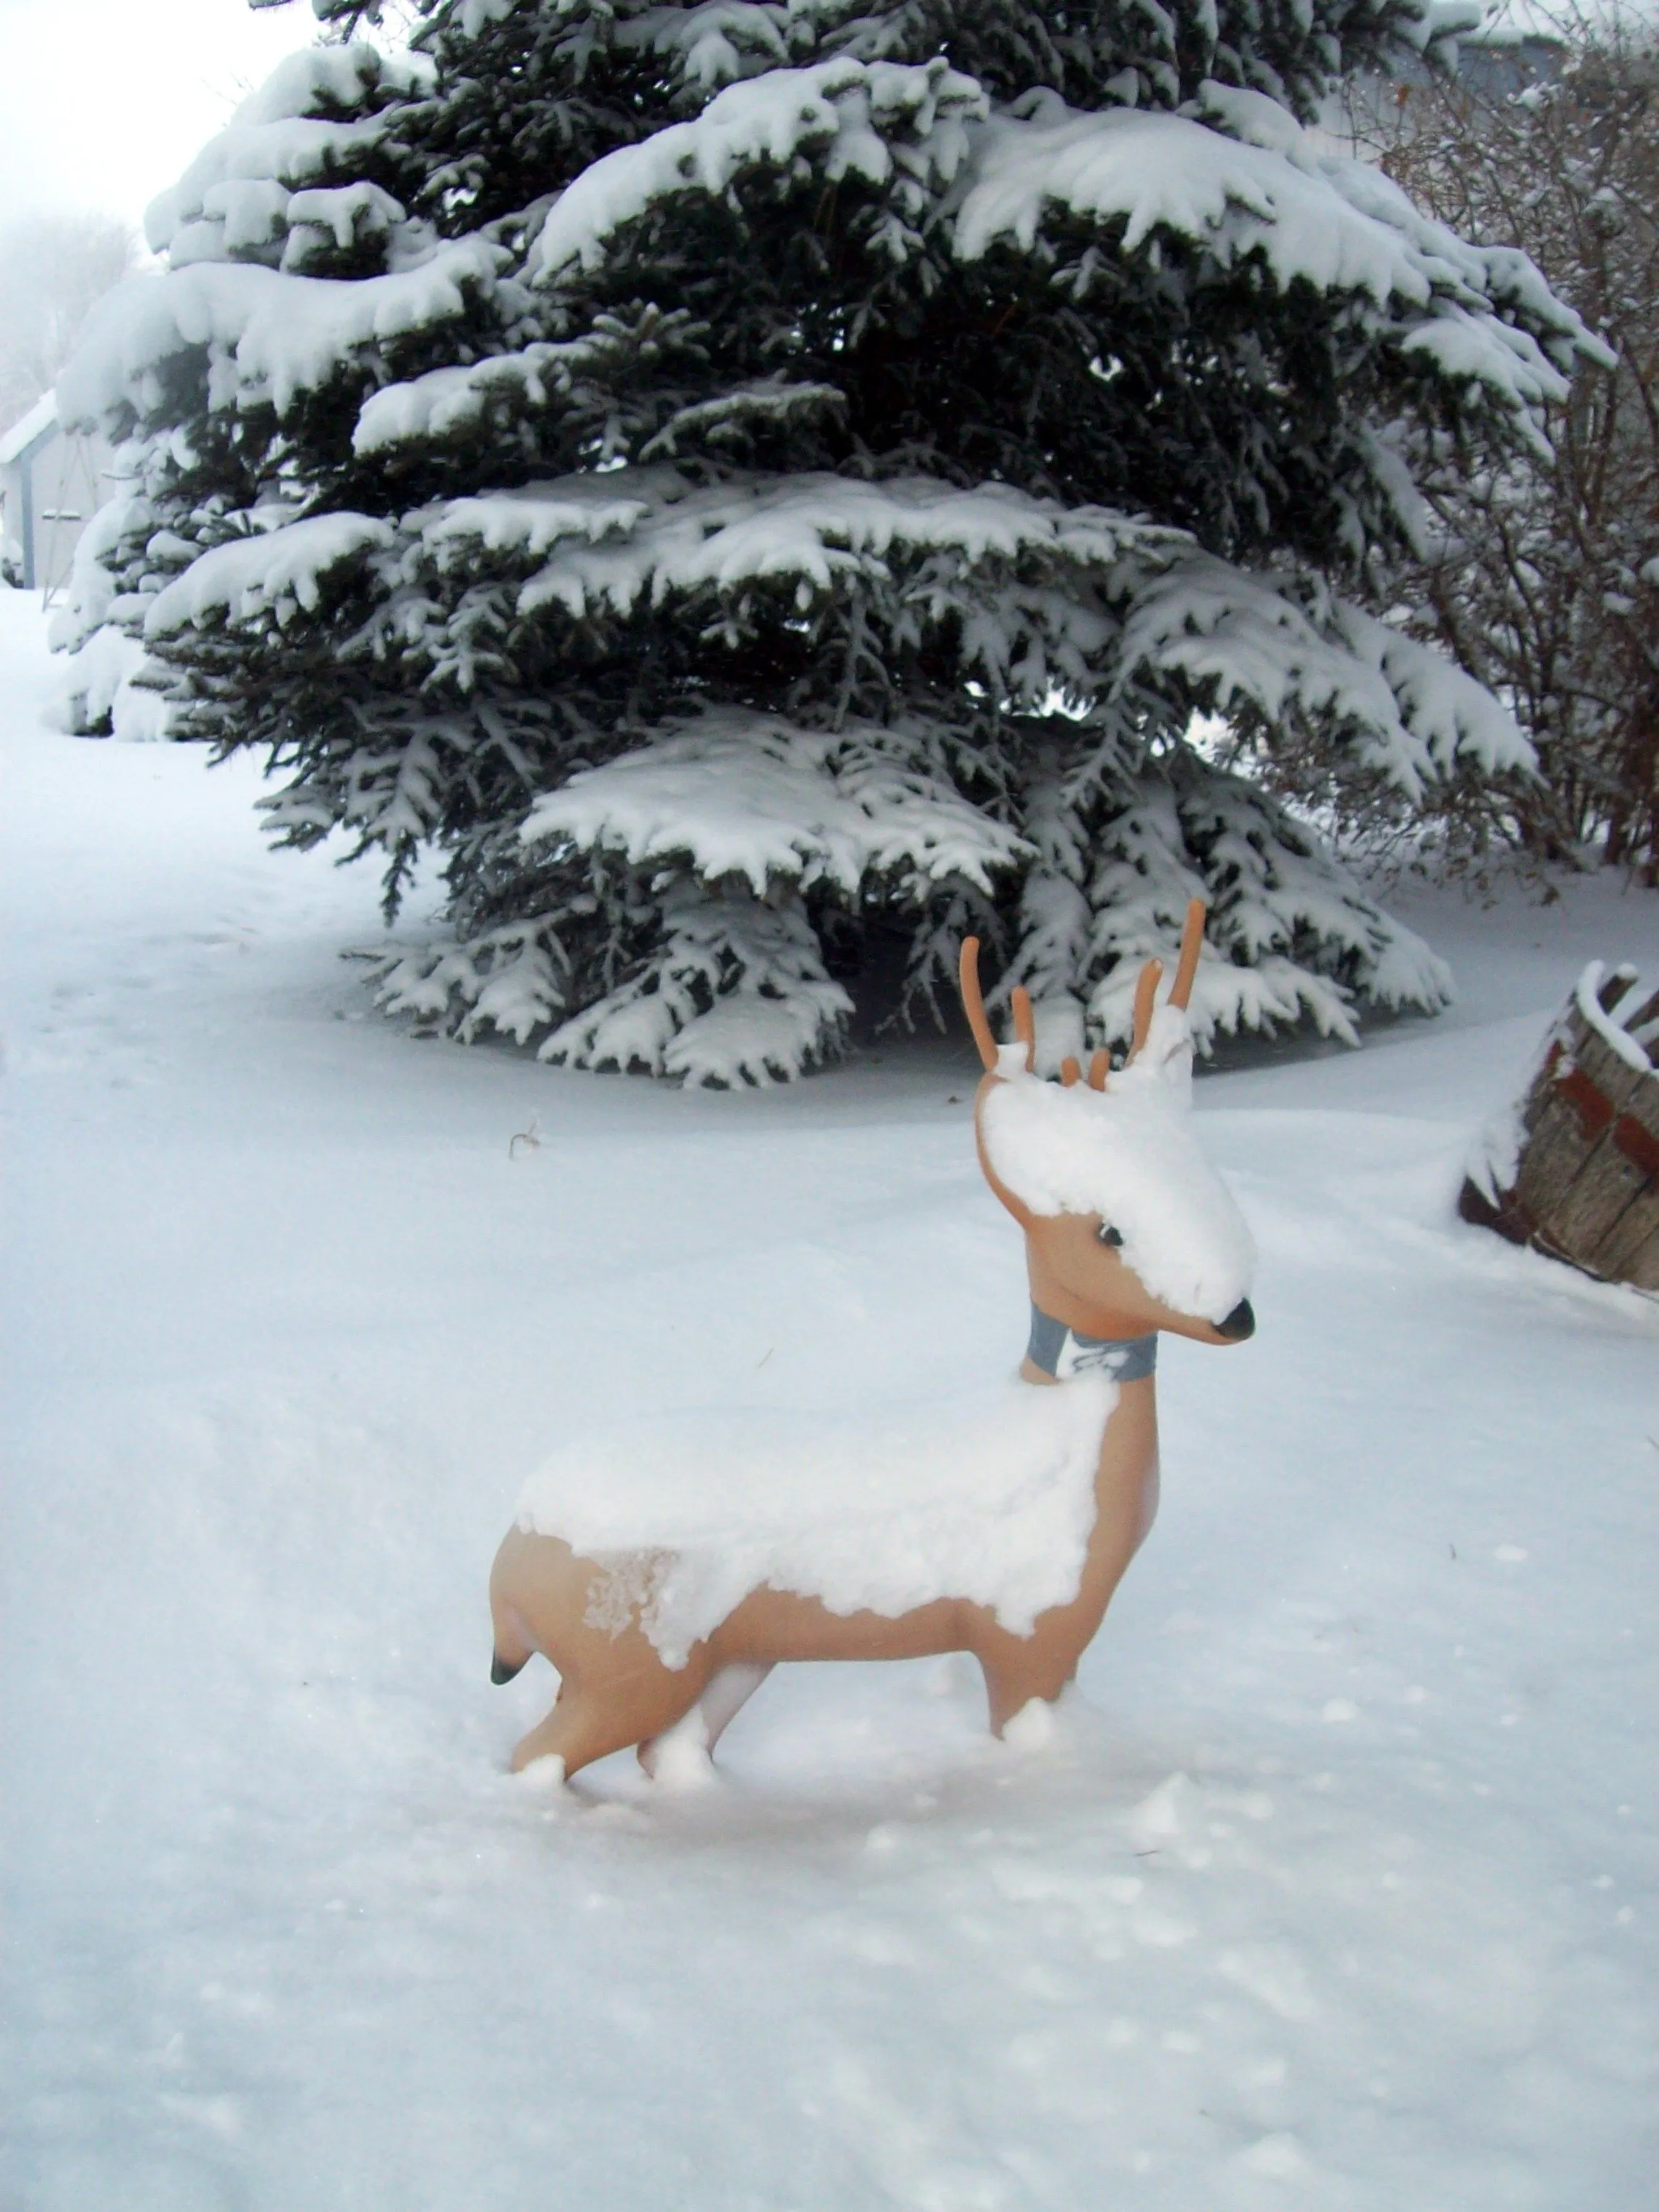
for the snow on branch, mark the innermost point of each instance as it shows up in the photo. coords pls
(739, 793)
(735, 993)
(283, 133)
(267, 575)
(292, 154)
(1309, 217)
(446, 403)
(1124, 841)
(1160, 172)
(1456, 722)
(630, 536)
(530, 522)
(1246, 641)
(1298, 931)
(716, 42)
(110, 682)
(837, 119)
(337, 216)
(771, 399)
(270, 339)
(1037, 594)
(449, 406)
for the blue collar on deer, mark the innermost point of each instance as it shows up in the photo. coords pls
(1060, 1351)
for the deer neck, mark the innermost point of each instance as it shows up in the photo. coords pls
(1058, 1351)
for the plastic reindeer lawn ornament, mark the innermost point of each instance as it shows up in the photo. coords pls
(1000, 1528)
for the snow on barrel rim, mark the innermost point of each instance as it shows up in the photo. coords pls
(1128, 1154)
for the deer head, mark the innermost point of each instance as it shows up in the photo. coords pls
(1128, 1227)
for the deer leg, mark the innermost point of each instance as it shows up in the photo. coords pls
(1020, 1668)
(727, 1695)
(729, 1690)
(591, 1719)
(1017, 1670)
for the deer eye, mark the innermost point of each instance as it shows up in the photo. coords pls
(1106, 1235)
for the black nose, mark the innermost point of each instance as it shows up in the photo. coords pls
(1239, 1323)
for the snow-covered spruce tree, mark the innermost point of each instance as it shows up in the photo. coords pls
(729, 476)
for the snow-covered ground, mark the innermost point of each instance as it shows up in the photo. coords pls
(1337, 1889)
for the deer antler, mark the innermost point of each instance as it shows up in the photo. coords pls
(1192, 943)
(1025, 1025)
(973, 1004)
(1145, 999)
(1192, 940)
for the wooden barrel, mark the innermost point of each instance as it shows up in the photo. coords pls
(1585, 1187)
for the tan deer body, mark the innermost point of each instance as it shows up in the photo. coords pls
(616, 1688)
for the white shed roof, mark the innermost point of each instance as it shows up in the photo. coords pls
(43, 416)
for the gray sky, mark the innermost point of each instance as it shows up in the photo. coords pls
(103, 102)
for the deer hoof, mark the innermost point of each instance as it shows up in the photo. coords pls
(542, 1776)
(1033, 1728)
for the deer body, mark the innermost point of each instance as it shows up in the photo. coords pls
(616, 1689)
(617, 1686)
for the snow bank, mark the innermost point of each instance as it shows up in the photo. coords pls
(100, 682)
(1348, 1842)
(1128, 1154)
(990, 1498)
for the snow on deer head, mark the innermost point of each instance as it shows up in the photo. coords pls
(1128, 1226)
